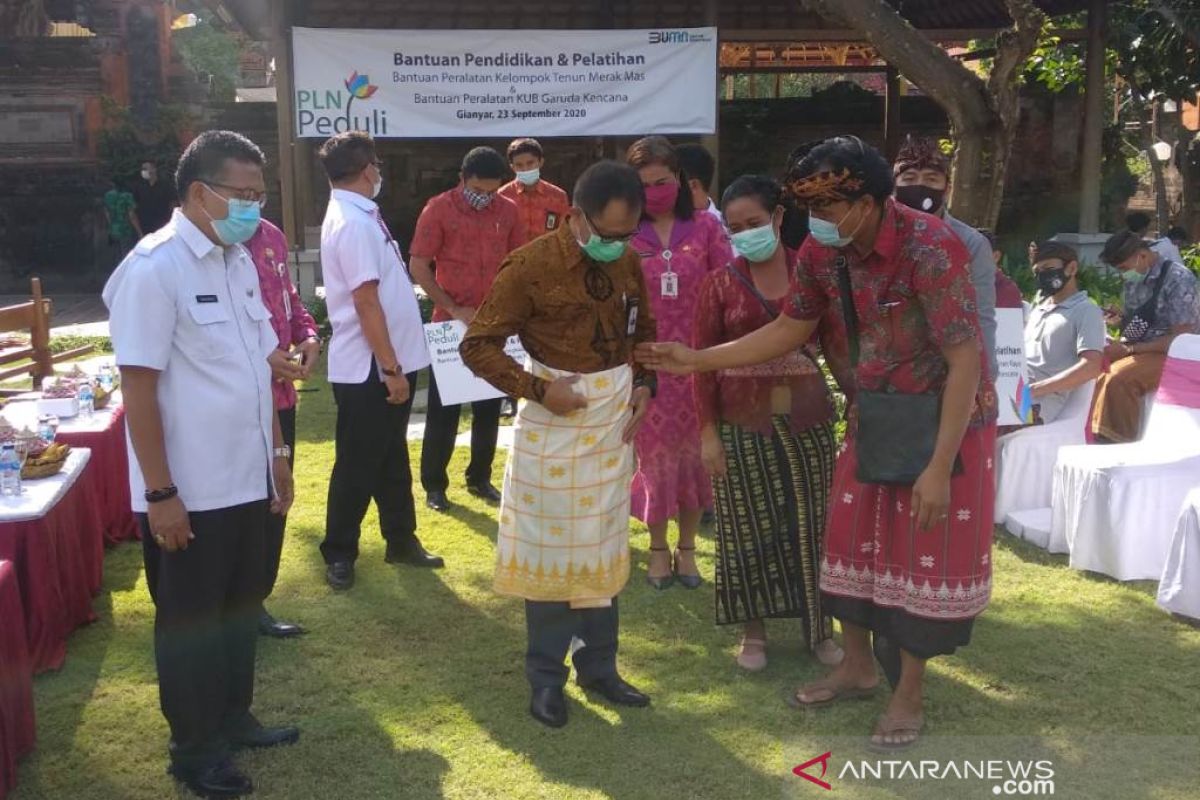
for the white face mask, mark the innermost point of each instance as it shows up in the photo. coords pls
(145, 174)
(529, 177)
(377, 187)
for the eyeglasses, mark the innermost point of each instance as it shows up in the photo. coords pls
(241, 193)
(623, 238)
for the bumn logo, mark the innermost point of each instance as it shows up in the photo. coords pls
(669, 37)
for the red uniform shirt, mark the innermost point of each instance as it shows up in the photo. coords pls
(466, 245)
(913, 296)
(542, 207)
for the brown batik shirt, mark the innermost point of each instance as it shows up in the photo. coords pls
(571, 313)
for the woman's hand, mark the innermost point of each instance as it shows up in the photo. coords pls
(671, 357)
(931, 497)
(712, 452)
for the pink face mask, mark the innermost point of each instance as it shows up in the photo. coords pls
(660, 199)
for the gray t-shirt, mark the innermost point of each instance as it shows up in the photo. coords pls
(1055, 336)
(983, 278)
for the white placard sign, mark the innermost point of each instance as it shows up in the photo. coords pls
(1012, 379)
(456, 383)
(473, 84)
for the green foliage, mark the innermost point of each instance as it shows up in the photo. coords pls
(65, 342)
(1055, 65)
(210, 51)
(123, 146)
(320, 314)
(1191, 258)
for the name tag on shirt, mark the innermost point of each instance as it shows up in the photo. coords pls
(551, 221)
(207, 298)
(631, 315)
(670, 284)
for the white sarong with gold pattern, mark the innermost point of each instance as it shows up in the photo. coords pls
(564, 519)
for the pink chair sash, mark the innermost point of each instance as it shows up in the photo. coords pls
(1180, 384)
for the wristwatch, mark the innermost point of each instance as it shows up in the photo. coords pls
(394, 372)
(161, 495)
(283, 452)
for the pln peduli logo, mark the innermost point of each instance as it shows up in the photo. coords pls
(326, 112)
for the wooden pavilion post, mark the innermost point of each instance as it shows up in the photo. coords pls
(1091, 155)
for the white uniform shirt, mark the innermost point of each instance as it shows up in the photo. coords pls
(355, 250)
(190, 309)
(1167, 249)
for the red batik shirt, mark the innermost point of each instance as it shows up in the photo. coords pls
(290, 319)
(466, 245)
(727, 310)
(541, 207)
(913, 296)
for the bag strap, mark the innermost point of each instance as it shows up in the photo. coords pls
(1148, 311)
(848, 311)
(749, 284)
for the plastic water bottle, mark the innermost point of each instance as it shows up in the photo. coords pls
(106, 379)
(10, 471)
(87, 400)
(47, 427)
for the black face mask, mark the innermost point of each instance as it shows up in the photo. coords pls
(1051, 281)
(922, 198)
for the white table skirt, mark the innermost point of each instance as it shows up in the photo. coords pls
(1179, 588)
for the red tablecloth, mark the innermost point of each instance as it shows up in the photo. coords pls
(109, 474)
(54, 560)
(16, 680)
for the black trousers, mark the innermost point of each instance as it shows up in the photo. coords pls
(277, 523)
(441, 429)
(207, 599)
(552, 626)
(370, 463)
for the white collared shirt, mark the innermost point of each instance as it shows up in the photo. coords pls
(190, 309)
(355, 250)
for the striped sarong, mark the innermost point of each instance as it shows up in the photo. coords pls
(564, 517)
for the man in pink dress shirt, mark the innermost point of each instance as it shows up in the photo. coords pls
(293, 360)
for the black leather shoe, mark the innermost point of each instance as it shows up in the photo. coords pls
(484, 491)
(615, 690)
(261, 737)
(269, 626)
(438, 502)
(340, 575)
(415, 557)
(549, 707)
(219, 780)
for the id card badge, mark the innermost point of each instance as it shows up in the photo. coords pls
(670, 284)
(670, 281)
(631, 316)
(551, 220)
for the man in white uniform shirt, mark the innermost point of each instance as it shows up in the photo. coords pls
(378, 346)
(191, 336)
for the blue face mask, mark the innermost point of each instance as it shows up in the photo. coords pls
(240, 222)
(829, 233)
(756, 244)
(530, 176)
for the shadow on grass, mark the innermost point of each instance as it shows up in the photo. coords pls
(1032, 554)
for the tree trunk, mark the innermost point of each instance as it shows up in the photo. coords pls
(1146, 132)
(983, 116)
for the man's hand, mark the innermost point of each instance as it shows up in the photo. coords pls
(671, 357)
(463, 314)
(310, 351)
(1117, 350)
(397, 388)
(284, 487)
(169, 525)
(712, 452)
(1037, 390)
(931, 497)
(283, 369)
(561, 398)
(639, 402)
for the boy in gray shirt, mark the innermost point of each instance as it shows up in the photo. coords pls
(1065, 333)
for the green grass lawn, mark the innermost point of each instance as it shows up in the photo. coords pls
(411, 685)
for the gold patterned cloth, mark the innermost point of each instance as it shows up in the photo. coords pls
(564, 518)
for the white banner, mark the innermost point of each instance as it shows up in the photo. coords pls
(498, 83)
(1012, 387)
(456, 383)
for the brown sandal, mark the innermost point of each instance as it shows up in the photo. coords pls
(897, 726)
(836, 693)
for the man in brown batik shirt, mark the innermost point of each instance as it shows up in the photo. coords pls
(578, 302)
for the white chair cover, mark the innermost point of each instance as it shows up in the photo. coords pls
(1116, 505)
(1034, 527)
(1025, 458)
(1179, 589)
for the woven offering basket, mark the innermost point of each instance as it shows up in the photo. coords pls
(49, 464)
(100, 398)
